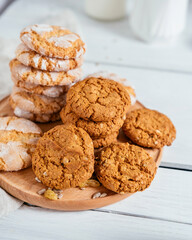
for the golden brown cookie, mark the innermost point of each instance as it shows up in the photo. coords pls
(105, 141)
(32, 59)
(37, 104)
(42, 118)
(125, 168)
(18, 138)
(95, 129)
(53, 41)
(64, 157)
(49, 91)
(35, 76)
(115, 77)
(98, 99)
(149, 128)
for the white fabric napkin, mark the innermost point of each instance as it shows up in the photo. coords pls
(7, 49)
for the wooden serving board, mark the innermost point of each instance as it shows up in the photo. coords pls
(22, 184)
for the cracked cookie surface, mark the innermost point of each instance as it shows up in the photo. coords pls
(64, 157)
(94, 129)
(98, 99)
(42, 118)
(36, 76)
(18, 138)
(37, 104)
(149, 128)
(125, 168)
(32, 59)
(106, 140)
(53, 41)
(49, 91)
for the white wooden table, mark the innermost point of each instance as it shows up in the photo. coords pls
(162, 76)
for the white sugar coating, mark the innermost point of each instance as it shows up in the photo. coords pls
(64, 41)
(77, 73)
(43, 64)
(80, 52)
(35, 76)
(133, 99)
(14, 155)
(45, 99)
(39, 118)
(22, 113)
(54, 91)
(36, 59)
(41, 28)
(21, 100)
(18, 124)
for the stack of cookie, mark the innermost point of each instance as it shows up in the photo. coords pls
(47, 62)
(98, 105)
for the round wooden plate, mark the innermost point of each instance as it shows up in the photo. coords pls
(22, 184)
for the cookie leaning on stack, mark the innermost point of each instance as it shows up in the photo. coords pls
(98, 105)
(47, 62)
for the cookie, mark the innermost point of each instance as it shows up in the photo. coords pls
(98, 99)
(64, 157)
(125, 168)
(49, 91)
(53, 41)
(149, 128)
(42, 118)
(35, 76)
(115, 77)
(18, 138)
(32, 59)
(94, 129)
(132, 94)
(105, 141)
(37, 104)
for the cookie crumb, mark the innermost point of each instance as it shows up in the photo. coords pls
(96, 195)
(37, 179)
(59, 196)
(40, 192)
(103, 195)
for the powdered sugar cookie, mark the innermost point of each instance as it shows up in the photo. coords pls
(42, 118)
(18, 138)
(37, 104)
(50, 91)
(32, 75)
(115, 77)
(32, 59)
(53, 41)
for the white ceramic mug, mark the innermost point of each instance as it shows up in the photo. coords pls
(158, 19)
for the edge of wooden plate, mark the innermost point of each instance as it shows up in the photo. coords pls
(74, 199)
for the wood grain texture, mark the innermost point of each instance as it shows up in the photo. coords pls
(22, 184)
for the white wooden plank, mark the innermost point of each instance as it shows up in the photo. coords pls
(169, 197)
(35, 223)
(110, 42)
(169, 93)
